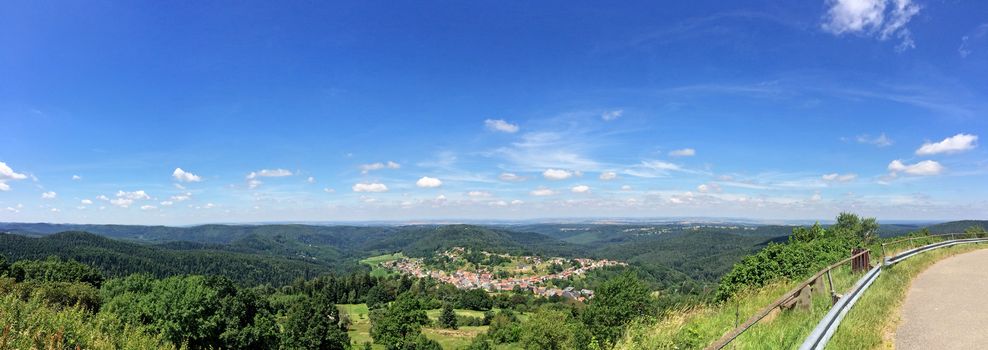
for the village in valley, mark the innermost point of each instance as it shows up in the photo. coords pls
(468, 269)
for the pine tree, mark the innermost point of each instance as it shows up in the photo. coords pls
(447, 319)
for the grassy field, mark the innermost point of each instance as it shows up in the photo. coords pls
(448, 338)
(375, 261)
(873, 320)
(697, 327)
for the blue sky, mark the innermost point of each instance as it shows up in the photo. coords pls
(181, 113)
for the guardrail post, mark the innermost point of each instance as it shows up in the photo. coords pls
(833, 293)
(883, 253)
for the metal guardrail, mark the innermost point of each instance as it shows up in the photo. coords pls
(824, 330)
(807, 287)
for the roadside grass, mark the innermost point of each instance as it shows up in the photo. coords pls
(698, 326)
(872, 322)
(375, 261)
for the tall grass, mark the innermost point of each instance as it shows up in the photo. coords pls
(872, 321)
(697, 326)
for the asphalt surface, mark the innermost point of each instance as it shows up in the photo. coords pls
(947, 306)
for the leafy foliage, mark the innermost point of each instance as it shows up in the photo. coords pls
(617, 302)
(447, 318)
(554, 330)
(398, 326)
(808, 250)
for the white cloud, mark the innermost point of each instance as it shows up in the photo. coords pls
(135, 195)
(626, 188)
(181, 197)
(428, 182)
(102, 198)
(580, 189)
(76, 177)
(209, 206)
(924, 168)
(611, 115)
(253, 182)
(311, 180)
(685, 152)
(86, 202)
(816, 197)
(954, 144)
(608, 175)
(542, 191)
(49, 195)
(148, 207)
(366, 168)
(880, 140)
(8, 174)
(477, 194)
(269, 173)
(498, 204)
(500, 125)
(512, 177)
(184, 176)
(835, 177)
(13, 210)
(557, 174)
(370, 187)
(122, 202)
(55, 210)
(329, 190)
(517, 202)
(167, 203)
(872, 18)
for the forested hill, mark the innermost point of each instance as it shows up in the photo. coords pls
(424, 240)
(957, 226)
(339, 236)
(120, 258)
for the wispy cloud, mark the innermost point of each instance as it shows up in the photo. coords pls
(500, 125)
(882, 19)
(969, 41)
(880, 140)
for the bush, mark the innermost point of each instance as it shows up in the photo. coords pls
(808, 250)
(792, 260)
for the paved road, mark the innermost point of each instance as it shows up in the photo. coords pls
(947, 306)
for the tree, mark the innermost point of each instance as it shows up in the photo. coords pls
(378, 296)
(851, 226)
(447, 318)
(971, 232)
(313, 325)
(617, 302)
(550, 329)
(396, 326)
(196, 311)
(504, 328)
(806, 234)
(476, 299)
(3, 265)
